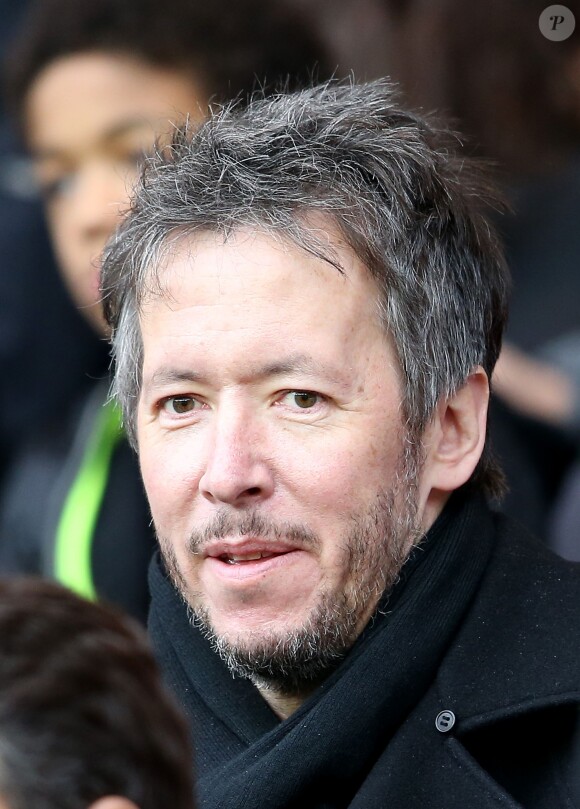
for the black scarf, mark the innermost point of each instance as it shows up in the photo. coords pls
(329, 745)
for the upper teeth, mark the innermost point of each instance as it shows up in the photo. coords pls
(246, 557)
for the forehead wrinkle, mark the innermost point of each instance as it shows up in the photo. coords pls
(298, 363)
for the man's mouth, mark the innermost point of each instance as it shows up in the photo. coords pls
(239, 559)
(245, 561)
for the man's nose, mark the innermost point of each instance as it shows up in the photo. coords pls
(237, 469)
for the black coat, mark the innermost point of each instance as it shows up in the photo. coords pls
(512, 680)
(494, 722)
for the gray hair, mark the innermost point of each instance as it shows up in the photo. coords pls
(412, 208)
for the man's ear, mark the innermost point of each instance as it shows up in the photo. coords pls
(113, 802)
(456, 435)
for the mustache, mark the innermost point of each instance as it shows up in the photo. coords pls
(226, 524)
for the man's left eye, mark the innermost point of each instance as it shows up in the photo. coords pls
(304, 399)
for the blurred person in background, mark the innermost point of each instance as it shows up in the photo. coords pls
(91, 95)
(84, 719)
(515, 94)
(42, 337)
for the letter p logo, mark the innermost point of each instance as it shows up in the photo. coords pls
(557, 23)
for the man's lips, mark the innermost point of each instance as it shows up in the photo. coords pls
(247, 550)
(245, 564)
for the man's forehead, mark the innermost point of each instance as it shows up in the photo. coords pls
(317, 243)
(274, 311)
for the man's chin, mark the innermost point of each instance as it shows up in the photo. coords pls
(289, 658)
(250, 632)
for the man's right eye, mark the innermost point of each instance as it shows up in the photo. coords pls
(179, 405)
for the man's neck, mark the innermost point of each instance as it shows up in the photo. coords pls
(282, 704)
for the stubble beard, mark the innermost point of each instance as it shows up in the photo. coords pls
(375, 548)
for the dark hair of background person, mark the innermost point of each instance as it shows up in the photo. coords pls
(83, 713)
(486, 65)
(227, 46)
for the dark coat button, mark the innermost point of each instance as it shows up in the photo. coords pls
(445, 721)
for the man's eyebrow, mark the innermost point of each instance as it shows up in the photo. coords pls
(296, 364)
(169, 376)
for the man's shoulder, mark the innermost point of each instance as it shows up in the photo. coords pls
(539, 580)
(517, 648)
(511, 676)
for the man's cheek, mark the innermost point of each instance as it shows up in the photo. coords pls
(331, 477)
(159, 482)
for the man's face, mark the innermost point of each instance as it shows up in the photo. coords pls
(270, 436)
(90, 118)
